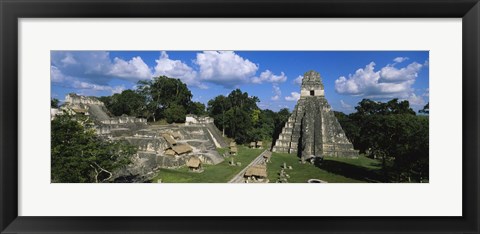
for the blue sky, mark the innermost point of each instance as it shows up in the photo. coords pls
(273, 76)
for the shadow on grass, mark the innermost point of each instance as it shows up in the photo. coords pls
(353, 171)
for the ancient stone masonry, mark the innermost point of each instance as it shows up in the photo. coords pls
(313, 130)
(211, 129)
(159, 146)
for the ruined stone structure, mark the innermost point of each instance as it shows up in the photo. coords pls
(159, 146)
(313, 130)
(211, 129)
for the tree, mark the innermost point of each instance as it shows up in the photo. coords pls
(402, 139)
(197, 108)
(54, 103)
(369, 107)
(216, 108)
(80, 156)
(163, 92)
(280, 118)
(393, 133)
(175, 114)
(425, 110)
(126, 103)
(237, 115)
(349, 126)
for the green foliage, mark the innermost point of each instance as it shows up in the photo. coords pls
(393, 133)
(197, 108)
(425, 110)
(175, 114)
(369, 107)
(79, 156)
(159, 98)
(164, 93)
(128, 102)
(280, 119)
(265, 125)
(54, 103)
(216, 108)
(237, 114)
(350, 126)
(240, 117)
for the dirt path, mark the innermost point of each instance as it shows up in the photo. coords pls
(239, 177)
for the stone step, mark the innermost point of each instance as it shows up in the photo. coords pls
(282, 142)
(285, 137)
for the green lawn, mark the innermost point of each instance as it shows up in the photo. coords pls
(220, 173)
(332, 170)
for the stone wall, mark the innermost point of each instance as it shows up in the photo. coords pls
(75, 99)
(123, 120)
(193, 119)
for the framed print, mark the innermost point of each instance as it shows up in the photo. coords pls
(269, 116)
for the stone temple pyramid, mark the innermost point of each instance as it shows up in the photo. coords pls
(313, 130)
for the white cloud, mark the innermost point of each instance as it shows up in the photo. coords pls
(415, 100)
(298, 80)
(68, 60)
(345, 105)
(94, 87)
(177, 69)
(225, 68)
(56, 75)
(118, 89)
(59, 79)
(390, 73)
(268, 76)
(132, 69)
(426, 93)
(85, 86)
(389, 82)
(264, 105)
(358, 83)
(400, 59)
(277, 92)
(98, 68)
(294, 96)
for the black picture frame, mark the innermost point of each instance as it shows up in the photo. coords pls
(11, 11)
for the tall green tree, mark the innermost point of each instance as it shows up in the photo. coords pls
(216, 108)
(175, 113)
(237, 114)
(393, 133)
(79, 156)
(197, 108)
(127, 102)
(161, 93)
